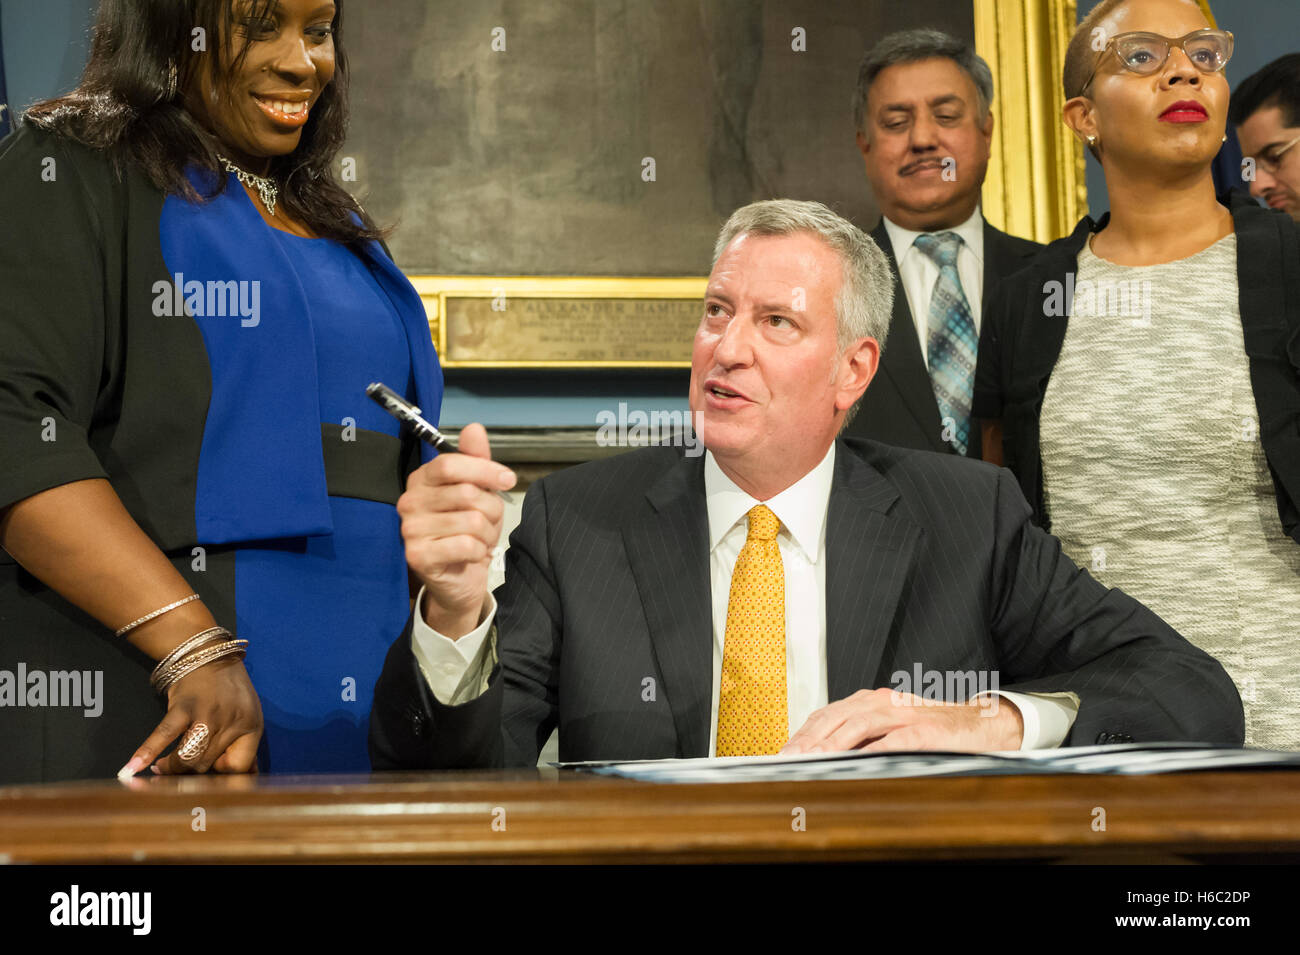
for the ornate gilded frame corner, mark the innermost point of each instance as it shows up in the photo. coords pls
(1035, 185)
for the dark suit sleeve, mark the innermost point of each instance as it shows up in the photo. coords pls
(410, 729)
(1058, 628)
(994, 336)
(510, 722)
(54, 320)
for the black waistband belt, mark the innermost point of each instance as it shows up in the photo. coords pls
(364, 464)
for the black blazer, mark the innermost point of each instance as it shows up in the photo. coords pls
(931, 559)
(1021, 340)
(899, 407)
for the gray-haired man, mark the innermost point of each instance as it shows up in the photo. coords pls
(787, 590)
(924, 127)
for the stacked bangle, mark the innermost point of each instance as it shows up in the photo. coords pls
(198, 651)
(157, 613)
(193, 643)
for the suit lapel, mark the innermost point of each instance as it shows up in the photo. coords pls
(1266, 297)
(902, 363)
(1051, 299)
(869, 556)
(1000, 260)
(667, 543)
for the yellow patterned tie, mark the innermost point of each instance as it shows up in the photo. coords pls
(752, 714)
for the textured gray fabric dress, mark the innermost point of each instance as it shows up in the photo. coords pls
(1155, 479)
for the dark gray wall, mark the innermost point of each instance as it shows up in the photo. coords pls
(45, 43)
(529, 161)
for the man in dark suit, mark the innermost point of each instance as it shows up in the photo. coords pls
(1265, 107)
(924, 128)
(787, 591)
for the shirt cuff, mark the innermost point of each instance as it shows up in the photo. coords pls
(1047, 716)
(454, 669)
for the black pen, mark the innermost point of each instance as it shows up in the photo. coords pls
(410, 416)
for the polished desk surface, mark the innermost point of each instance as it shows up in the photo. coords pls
(550, 816)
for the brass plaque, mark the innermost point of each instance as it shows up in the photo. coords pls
(562, 322)
(571, 330)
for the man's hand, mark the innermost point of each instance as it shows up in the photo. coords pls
(451, 522)
(885, 719)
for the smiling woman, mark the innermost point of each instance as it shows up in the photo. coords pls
(230, 453)
(176, 86)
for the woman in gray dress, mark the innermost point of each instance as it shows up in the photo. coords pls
(1142, 376)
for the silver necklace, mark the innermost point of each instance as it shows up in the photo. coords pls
(266, 188)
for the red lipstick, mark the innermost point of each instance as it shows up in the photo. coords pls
(1185, 111)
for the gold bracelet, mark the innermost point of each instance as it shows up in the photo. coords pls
(197, 660)
(165, 678)
(193, 643)
(157, 613)
(200, 659)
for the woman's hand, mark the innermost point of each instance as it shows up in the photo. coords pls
(221, 696)
(123, 576)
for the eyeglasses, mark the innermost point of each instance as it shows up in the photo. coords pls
(1271, 162)
(1146, 53)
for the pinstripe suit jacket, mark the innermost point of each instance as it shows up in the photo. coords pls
(931, 559)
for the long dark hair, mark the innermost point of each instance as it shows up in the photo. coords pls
(124, 106)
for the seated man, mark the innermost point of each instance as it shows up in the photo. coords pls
(664, 605)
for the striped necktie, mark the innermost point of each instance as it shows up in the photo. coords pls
(752, 714)
(952, 339)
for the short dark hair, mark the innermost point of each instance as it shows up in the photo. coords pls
(909, 46)
(125, 107)
(1277, 84)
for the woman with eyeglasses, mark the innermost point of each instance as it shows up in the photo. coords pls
(1141, 377)
(192, 308)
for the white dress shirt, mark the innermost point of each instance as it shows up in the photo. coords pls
(917, 272)
(458, 670)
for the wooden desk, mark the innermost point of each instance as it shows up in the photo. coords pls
(542, 816)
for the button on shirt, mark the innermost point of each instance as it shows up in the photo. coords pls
(917, 272)
(458, 670)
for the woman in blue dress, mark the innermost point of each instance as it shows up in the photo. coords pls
(192, 309)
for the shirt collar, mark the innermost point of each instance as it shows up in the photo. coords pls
(971, 232)
(801, 508)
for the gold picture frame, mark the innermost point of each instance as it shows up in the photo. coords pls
(1035, 185)
(444, 294)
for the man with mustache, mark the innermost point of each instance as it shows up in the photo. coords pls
(772, 594)
(1266, 110)
(924, 128)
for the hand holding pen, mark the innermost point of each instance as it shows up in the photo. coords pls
(451, 522)
(412, 417)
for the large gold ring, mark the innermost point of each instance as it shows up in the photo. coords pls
(193, 743)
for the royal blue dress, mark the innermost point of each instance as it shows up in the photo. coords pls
(322, 611)
(320, 585)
